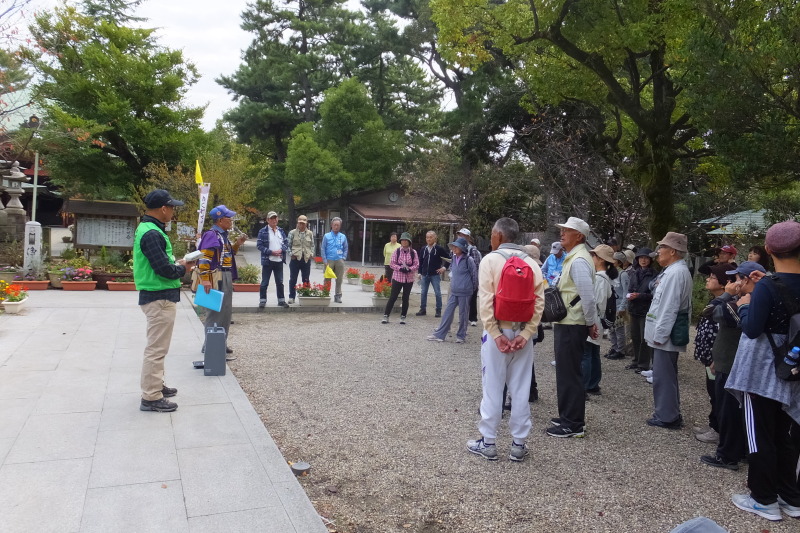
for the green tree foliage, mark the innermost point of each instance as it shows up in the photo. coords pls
(614, 56)
(113, 99)
(742, 82)
(350, 147)
(301, 49)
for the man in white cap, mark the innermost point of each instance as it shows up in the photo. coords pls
(666, 328)
(475, 254)
(576, 285)
(551, 268)
(273, 244)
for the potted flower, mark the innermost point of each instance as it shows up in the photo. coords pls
(56, 269)
(352, 276)
(367, 281)
(108, 265)
(313, 294)
(248, 279)
(34, 280)
(8, 273)
(123, 283)
(318, 262)
(78, 279)
(14, 297)
(383, 289)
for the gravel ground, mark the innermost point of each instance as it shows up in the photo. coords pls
(383, 416)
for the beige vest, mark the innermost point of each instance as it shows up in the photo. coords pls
(568, 288)
(302, 244)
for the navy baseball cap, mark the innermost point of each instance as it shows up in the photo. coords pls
(160, 198)
(746, 268)
(221, 211)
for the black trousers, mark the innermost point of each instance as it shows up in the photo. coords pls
(473, 307)
(568, 342)
(730, 422)
(396, 286)
(298, 266)
(773, 439)
(712, 397)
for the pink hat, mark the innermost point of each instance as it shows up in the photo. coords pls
(783, 237)
(729, 249)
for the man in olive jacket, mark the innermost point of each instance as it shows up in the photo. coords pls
(157, 276)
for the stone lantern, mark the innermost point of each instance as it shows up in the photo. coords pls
(11, 180)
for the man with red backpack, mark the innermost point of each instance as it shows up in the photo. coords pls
(511, 296)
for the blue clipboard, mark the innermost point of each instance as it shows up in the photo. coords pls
(212, 300)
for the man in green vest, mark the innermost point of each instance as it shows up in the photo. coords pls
(576, 285)
(158, 278)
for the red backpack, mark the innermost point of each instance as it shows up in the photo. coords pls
(515, 298)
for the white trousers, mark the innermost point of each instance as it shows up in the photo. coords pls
(498, 369)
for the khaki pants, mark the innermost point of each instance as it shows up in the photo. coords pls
(160, 322)
(338, 268)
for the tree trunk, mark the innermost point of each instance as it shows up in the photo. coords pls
(655, 176)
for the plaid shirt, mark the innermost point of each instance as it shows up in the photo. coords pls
(404, 257)
(154, 249)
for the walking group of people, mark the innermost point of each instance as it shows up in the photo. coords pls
(742, 337)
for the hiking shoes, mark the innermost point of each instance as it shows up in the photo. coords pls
(709, 437)
(168, 392)
(487, 451)
(162, 406)
(564, 432)
(716, 461)
(402, 319)
(655, 422)
(385, 319)
(518, 452)
(746, 503)
(421, 312)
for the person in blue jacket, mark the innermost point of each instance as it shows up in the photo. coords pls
(333, 250)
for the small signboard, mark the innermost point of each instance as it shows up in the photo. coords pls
(99, 223)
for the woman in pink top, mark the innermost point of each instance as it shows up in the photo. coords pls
(405, 263)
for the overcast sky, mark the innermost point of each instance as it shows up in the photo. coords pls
(209, 35)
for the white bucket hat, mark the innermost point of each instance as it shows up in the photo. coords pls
(577, 224)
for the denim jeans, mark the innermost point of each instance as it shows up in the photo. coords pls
(298, 266)
(590, 366)
(434, 280)
(271, 267)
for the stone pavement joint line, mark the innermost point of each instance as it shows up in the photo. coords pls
(77, 454)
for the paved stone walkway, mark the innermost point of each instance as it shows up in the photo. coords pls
(77, 455)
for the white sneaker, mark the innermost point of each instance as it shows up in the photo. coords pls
(460, 341)
(790, 510)
(553, 363)
(434, 338)
(649, 380)
(746, 503)
(646, 373)
(473, 323)
(291, 300)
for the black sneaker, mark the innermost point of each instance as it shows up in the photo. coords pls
(655, 422)
(162, 406)
(615, 356)
(438, 314)
(715, 460)
(168, 392)
(632, 366)
(609, 354)
(556, 422)
(595, 391)
(563, 432)
(228, 350)
(421, 312)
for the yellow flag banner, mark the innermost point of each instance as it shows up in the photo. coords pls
(198, 176)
